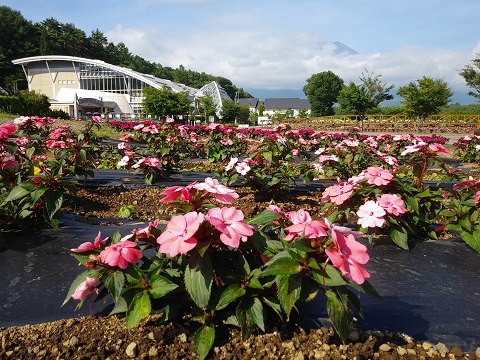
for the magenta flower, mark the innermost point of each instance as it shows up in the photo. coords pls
(229, 221)
(377, 176)
(7, 130)
(86, 289)
(222, 193)
(121, 254)
(88, 246)
(392, 204)
(349, 256)
(178, 237)
(7, 161)
(370, 214)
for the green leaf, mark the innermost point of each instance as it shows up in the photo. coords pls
(265, 217)
(120, 306)
(472, 238)
(256, 313)
(114, 282)
(17, 192)
(53, 200)
(138, 309)
(229, 295)
(160, 286)
(282, 266)
(328, 276)
(289, 290)
(203, 340)
(339, 313)
(199, 279)
(400, 237)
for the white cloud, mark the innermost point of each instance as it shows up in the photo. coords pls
(253, 59)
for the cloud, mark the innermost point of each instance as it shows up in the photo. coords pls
(255, 58)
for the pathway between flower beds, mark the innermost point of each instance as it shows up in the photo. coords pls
(431, 292)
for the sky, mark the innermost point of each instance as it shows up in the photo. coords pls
(279, 44)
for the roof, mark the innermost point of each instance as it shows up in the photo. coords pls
(148, 79)
(286, 103)
(251, 102)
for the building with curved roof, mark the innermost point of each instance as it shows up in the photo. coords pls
(79, 86)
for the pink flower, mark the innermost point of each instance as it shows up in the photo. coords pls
(438, 148)
(413, 148)
(121, 254)
(231, 163)
(377, 176)
(471, 182)
(477, 197)
(174, 192)
(392, 204)
(86, 289)
(277, 210)
(229, 221)
(153, 162)
(222, 193)
(295, 152)
(7, 161)
(7, 130)
(349, 256)
(88, 246)
(338, 193)
(146, 232)
(96, 119)
(370, 214)
(310, 230)
(178, 237)
(299, 217)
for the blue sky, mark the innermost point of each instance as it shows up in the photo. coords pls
(277, 44)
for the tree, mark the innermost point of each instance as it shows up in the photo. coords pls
(471, 74)
(230, 111)
(207, 106)
(364, 98)
(322, 90)
(425, 97)
(164, 102)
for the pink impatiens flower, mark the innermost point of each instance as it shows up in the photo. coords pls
(338, 193)
(310, 230)
(370, 214)
(439, 148)
(229, 221)
(242, 168)
(174, 192)
(121, 254)
(7, 130)
(349, 256)
(86, 289)
(377, 176)
(178, 237)
(392, 204)
(88, 246)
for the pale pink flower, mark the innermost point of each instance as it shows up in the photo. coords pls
(126, 137)
(229, 221)
(295, 152)
(138, 163)
(392, 204)
(153, 162)
(178, 237)
(377, 176)
(242, 168)
(124, 161)
(7, 130)
(96, 119)
(370, 214)
(413, 148)
(349, 256)
(223, 194)
(88, 246)
(439, 148)
(231, 163)
(299, 217)
(121, 254)
(123, 146)
(138, 127)
(86, 289)
(169, 120)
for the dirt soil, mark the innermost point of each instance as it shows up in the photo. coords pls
(107, 337)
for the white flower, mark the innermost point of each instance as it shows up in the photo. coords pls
(242, 168)
(231, 164)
